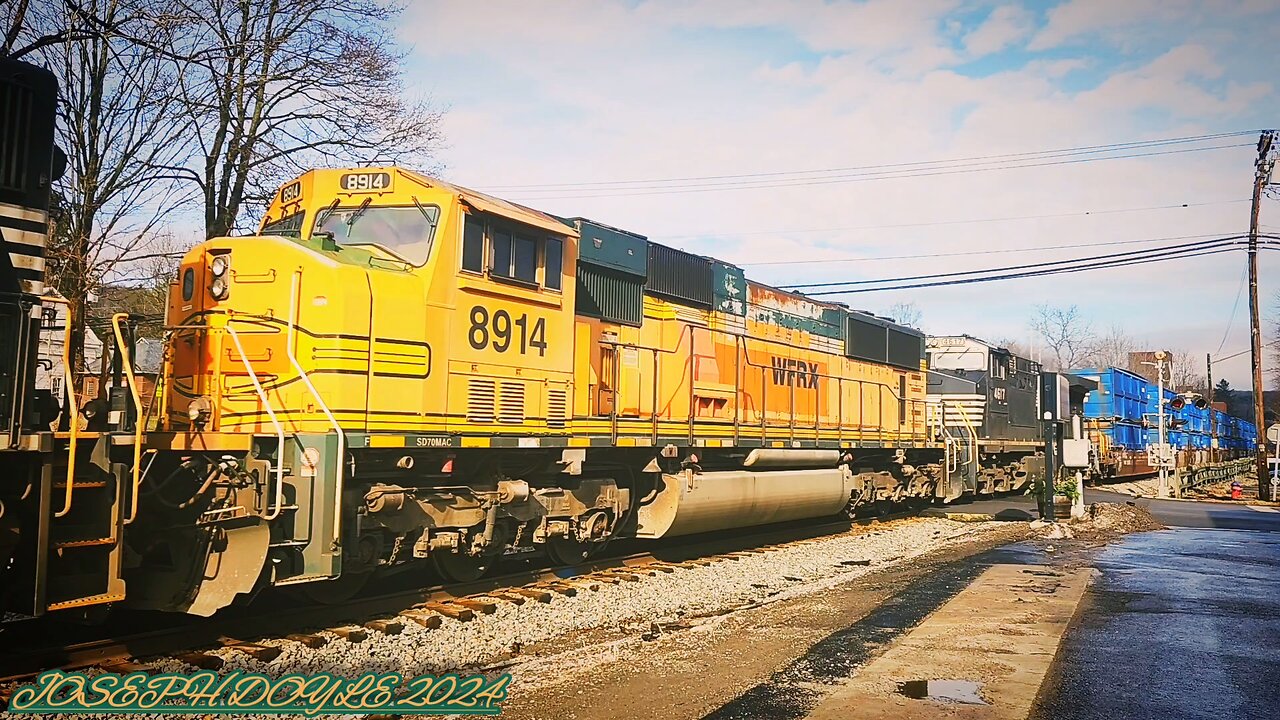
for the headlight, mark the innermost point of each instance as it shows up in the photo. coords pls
(219, 265)
(218, 288)
(200, 410)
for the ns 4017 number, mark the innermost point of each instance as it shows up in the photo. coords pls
(502, 331)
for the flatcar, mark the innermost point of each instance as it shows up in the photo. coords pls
(1121, 419)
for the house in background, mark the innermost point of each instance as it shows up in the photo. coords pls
(49, 369)
(147, 364)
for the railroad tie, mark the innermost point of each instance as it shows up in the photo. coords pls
(562, 588)
(308, 640)
(450, 610)
(425, 618)
(385, 626)
(125, 667)
(478, 604)
(350, 634)
(263, 653)
(511, 597)
(580, 583)
(532, 593)
(202, 660)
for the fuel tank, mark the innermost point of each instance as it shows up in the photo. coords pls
(691, 502)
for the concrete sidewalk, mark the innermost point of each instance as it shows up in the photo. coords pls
(999, 635)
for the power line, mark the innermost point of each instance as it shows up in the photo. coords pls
(1038, 273)
(859, 177)
(1027, 266)
(1244, 277)
(977, 252)
(934, 223)
(1107, 147)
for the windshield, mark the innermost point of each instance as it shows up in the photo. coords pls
(397, 233)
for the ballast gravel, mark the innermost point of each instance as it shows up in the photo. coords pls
(487, 641)
(664, 598)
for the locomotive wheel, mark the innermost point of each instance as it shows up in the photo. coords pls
(457, 567)
(564, 551)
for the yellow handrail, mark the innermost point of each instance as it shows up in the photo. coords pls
(973, 436)
(138, 419)
(69, 386)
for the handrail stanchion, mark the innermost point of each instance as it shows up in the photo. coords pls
(137, 408)
(271, 413)
(68, 382)
(340, 470)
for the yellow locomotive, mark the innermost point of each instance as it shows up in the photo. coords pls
(397, 369)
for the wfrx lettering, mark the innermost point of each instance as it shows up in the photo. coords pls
(795, 372)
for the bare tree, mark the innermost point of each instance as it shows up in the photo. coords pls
(1111, 348)
(25, 34)
(273, 87)
(1015, 346)
(1185, 373)
(905, 313)
(118, 120)
(1068, 336)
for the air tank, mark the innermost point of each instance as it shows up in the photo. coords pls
(691, 502)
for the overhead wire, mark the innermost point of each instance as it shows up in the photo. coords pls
(852, 178)
(1221, 245)
(1047, 263)
(978, 252)
(1033, 273)
(936, 223)
(1106, 147)
(1244, 277)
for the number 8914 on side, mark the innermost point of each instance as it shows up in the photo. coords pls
(502, 331)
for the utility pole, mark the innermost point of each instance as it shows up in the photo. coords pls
(1163, 487)
(1213, 426)
(1161, 454)
(1262, 169)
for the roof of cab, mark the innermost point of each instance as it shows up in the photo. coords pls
(498, 206)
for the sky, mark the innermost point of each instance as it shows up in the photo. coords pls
(592, 91)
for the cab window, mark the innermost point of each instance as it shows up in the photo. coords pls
(288, 226)
(392, 233)
(512, 255)
(554, 254)
(473, 245)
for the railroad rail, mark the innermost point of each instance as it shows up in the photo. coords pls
(192, 640)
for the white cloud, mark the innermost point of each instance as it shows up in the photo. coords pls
(589, 91)
(1006, 25)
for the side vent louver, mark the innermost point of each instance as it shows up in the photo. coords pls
(511, 402)
(557, 407)
(481, 400)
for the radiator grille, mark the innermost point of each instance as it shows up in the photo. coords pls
(15, 128)
(511, 402)
(481, 400)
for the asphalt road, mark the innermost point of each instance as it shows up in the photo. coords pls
(1211, 515)
(1181, 623)
(1173, 513)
